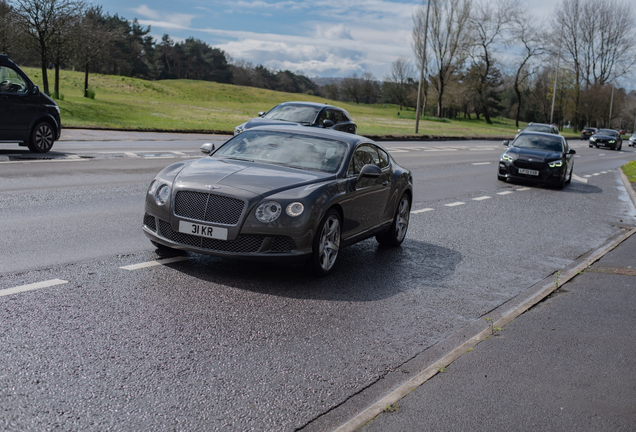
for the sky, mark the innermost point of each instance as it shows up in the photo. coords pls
(327, 38)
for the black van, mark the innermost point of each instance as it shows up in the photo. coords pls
(27, 116)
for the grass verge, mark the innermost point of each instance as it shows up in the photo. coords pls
(187, 105)
(630, 171)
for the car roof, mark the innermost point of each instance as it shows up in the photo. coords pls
(539, 124)
(545, 134)
(312, 104)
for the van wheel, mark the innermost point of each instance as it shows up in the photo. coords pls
(41, 139)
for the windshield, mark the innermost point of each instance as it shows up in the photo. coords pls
(293, 150)
(293, 113)
(538, 128)
(539, 142)
(606, 132)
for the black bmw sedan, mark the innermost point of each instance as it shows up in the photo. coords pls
(303, 114)
(281, 194)
(607, 138)
(538, 157)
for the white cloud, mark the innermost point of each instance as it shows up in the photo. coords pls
(165, 19)
(333, 32)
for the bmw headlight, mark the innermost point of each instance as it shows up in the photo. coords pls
(268, 211)
(507, 158)
(612, 141)
(592, 139)
(555, 164)
(295, 209)
(162, 194)
(240, 128)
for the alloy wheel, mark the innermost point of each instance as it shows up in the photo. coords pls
(329, 243)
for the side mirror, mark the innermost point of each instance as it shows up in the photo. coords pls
(36, 90)
(207, 148)
(572, 151)
(261, 113)
(369, 171)
(506, 143)
(327, 123)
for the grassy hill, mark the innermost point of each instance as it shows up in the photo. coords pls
(186, 105)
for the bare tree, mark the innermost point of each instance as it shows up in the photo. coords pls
(526, 33)
(448, 41)
(488, 22)
(351, 88)
(398, 81)
(7, 27)
(40, 20)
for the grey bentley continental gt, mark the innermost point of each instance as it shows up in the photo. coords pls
(281, 193)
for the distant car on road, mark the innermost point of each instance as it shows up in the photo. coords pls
(304, 114)
(607, 138)
(586, 133)
(632, 140)
(538, 157)
(27, 116)
(622, 131)
(281, 193)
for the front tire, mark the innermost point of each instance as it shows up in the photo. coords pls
(42, 138)
(326, 244)
(395, 235)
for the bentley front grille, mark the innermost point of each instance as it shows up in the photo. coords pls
(208, 207)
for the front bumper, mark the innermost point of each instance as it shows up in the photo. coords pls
(547, 175)
(255, 247)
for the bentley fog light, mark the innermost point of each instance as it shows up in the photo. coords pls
(162, 194)
(295, 209)
(555, 164)
(268, 211)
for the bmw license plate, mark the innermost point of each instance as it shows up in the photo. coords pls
(203, 230)
(528, 172)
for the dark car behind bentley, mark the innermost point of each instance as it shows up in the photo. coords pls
(303, 114)
(537, 157)
(281, 194)
(607, 138)
(588, 132)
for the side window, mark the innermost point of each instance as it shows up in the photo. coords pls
(365, 154)
(340, 117)
(384, 158)
(12, 82)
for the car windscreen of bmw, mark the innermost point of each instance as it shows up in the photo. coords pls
(606, 132)
(279, 148)
(538, 128)
(539, 142)
(293, 113)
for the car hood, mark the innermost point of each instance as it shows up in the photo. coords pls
(254, 178)
(259, 121)
(536, 155)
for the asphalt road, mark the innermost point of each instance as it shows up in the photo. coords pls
(215, 344)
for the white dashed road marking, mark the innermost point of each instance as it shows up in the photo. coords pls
(504, 192)
(481, 198)
(481, 163)
(579, 179)
(595, 174)
(523, 189)
(422, 210)
(154, 263)
(32, 287)
(129, 154)
(458, 203)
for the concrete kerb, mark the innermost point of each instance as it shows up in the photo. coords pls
(501, 316)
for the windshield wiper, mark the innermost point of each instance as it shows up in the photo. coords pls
(238, 158)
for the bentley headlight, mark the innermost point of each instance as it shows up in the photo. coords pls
(555, 164)
(507, 158)
(295, 209)
(268, 211)
(162, 194)
(153, 187)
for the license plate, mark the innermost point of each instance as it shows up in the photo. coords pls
(528, 172)
(203, 230)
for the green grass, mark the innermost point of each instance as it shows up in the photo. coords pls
(630, 171)
(186, 105)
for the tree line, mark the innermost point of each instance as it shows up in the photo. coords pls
(54, 34)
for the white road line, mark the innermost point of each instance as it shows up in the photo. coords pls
(579, 179)
(130, 154)
(458, 203)
(42, 161)
(422, 210)
(397, 151)
(154, 263)
(587, 175)
(595, 174)
(481, 163)
(504, 192)
(524, 188)
(32, 287)
(179, 153)
(603, 172)
(481, 198)
(601, 154)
